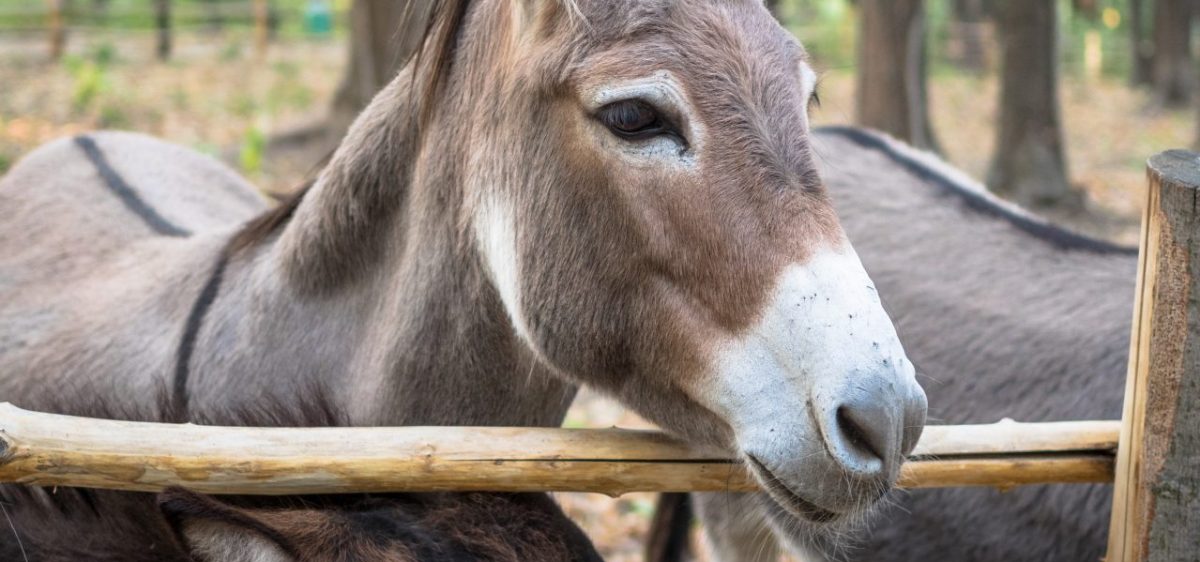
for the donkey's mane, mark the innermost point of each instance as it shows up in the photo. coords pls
(431, 64)
(975, 198)
(62, 523)
(128, 526)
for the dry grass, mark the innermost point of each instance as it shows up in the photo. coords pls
(216, 96)
(219, 98)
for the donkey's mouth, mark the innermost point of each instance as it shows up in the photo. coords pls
(788, 498)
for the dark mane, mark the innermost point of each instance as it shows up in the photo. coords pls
(263, 226)
(441, 32)
(1057, 236)
(128, 526)
(73, 524)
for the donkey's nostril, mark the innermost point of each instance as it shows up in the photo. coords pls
(866, 436)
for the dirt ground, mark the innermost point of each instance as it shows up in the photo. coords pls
(219, 97)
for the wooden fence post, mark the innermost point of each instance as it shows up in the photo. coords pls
(1156, 502)
(58, 28)
(262, 31)
(162, 20)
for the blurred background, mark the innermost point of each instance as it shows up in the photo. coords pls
(1054, 104)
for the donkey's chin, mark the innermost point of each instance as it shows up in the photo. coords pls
(794, 510)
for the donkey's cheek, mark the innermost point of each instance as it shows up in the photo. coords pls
(496, 234)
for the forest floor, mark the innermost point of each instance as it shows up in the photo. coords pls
(220, 97)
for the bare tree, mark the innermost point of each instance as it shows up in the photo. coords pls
(1173, 72)
(377, 46)
(1029, 164)
(967, 30)
(57, 27)
(162, 21)
(1196, 146)
(1142, 71)
(382, 34)
(892, 90)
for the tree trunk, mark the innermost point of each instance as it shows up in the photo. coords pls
(967, 31)
(377, 45)
(1088, 8)
(262, 34)
(162, 20)
(1142, 70)
(892, 95)
(1173, 72)
(57, 27)
(1029, 164)
(1196, 146)
(381, 37)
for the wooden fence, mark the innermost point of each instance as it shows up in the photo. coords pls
(53, 450)
(1156, 505)
(58, 19)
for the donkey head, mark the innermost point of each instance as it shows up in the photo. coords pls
(397, 528)
(641, 194)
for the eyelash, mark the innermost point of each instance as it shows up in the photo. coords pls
(657, 125)
(814, 100)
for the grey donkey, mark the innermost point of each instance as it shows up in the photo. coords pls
(1004, 315)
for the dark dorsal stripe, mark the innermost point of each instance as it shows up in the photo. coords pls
(1059, 237)
(191, 331)
(125, 192)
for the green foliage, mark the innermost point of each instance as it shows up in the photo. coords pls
(90, 75)
(254, 146)
(6, 161)
(104, 54)
(639, 506)
(88, 81)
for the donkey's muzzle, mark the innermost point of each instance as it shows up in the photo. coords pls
(873, 426)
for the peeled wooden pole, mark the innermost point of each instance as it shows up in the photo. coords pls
(54, 450)
(1156, 500)
(58, 29)
(262, 32)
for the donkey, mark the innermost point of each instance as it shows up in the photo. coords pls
(620, 194)
(1005, 316)
(78, 525)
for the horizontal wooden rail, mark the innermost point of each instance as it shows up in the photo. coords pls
(54, 450)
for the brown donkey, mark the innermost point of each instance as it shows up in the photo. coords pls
(553, 192)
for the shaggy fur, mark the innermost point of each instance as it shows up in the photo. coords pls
(1004, 316)
(376, 282)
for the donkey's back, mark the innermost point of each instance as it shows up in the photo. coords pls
(86, 196)
(89, 224)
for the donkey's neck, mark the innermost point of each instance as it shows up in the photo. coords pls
(373, 291)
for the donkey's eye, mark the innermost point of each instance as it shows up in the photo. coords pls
(632, 119)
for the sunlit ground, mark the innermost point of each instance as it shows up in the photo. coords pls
(220, 97)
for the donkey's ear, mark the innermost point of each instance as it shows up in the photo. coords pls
(213, 531)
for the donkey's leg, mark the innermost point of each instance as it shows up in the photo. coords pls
(737, 528)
